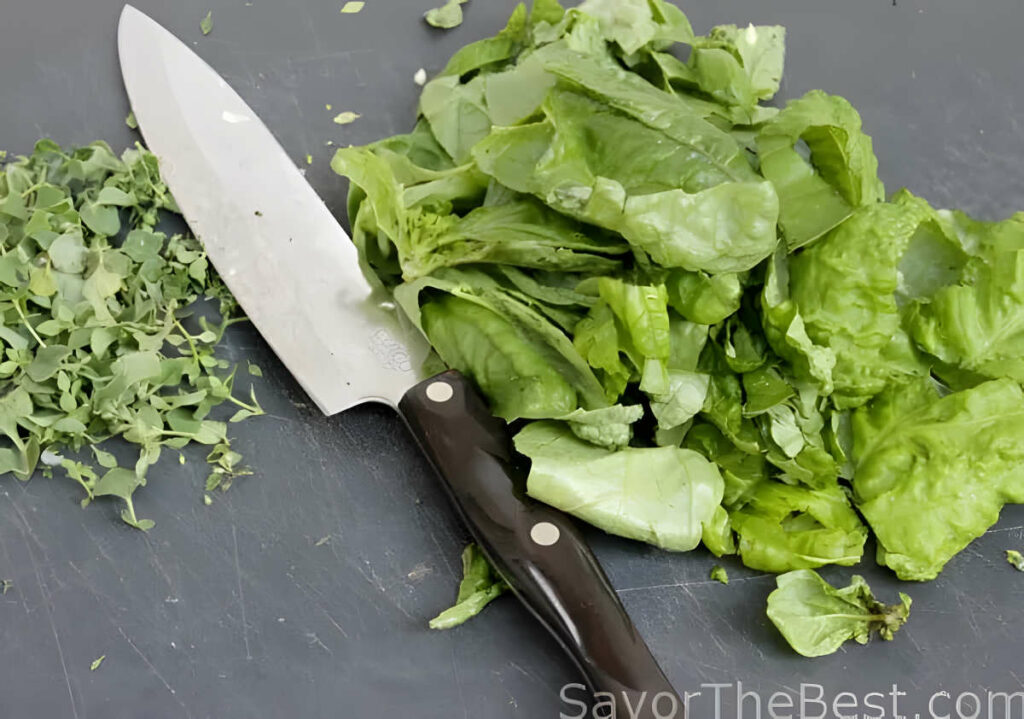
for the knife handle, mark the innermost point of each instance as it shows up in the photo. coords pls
(537, 549)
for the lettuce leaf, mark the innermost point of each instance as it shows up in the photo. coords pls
(932, 473)
(816, 618)
(665, 496)
(782, 527)
(841, 175)
(686, 203)
(975, 324)
(845, 330)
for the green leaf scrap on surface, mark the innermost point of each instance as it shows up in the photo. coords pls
(702, 313)
(447, 16)
(346, 118)
(131, 122)
(1016, 559)
(96, 663)
(206, 24)
(100, 333)
(352, 7)
(816, 618)
(5, 584)
(480, 586)
(719, 574)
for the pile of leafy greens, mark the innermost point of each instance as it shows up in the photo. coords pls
(99, 332)
(700, 314)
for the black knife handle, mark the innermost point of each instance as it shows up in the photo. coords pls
(535, 548)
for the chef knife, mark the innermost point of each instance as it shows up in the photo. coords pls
(296, 274)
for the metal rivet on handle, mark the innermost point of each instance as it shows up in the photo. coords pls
(439, 391)
(544, 533)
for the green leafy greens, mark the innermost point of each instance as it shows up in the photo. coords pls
(816, 618)
(701, 315)
(479, 587)
(99, 328)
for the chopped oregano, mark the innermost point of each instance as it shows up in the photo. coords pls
(99, 331)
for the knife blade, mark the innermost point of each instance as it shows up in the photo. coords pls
(275, 244)
(296, 273)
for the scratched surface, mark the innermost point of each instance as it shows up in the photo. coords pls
(239, 610)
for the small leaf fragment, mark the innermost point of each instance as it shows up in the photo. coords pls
(346, 118)
(131, 122)
(96, 662)
(479, 587)
(1016, 559)
(206, 24)
(719, 574)
(352, 7)
(447, 16)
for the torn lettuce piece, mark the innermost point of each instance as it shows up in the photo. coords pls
(932, 473)
(493, 52)
(524, 363)
(664, 496)
(678, 201)
(783, 527)
(816, 618)
(702, 298)
(844, 291)
(683, 400)
(635, 24)
(480, 586)
(974, 324)
(740, 66)
(1016, 559)
(626, 334)
(817, 194)
(608, 427)
(719, 574)
(446, 16)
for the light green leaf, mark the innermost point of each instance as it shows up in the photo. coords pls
(664, 496)
(816, 618)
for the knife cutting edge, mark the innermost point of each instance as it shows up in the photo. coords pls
(263, 226)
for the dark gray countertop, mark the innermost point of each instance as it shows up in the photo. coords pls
(232, 611)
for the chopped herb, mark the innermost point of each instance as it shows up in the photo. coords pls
(309, 159)
(719, 574)
(206, 24)
(329, 106)
(322, 541)
(131, 122)
(816, 618)
(96, 663)
(258, 213)
(352, 7)
(207, 500)
(346, 118)
(102, 337)
(1015, 558)
(447, 16)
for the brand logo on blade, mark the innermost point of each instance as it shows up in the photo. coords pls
(389, 352)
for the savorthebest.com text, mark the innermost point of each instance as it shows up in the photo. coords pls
(809, 701)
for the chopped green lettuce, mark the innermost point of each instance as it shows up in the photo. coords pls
(666, 496)
(480, 586)
(816, 618)
(932, 473)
